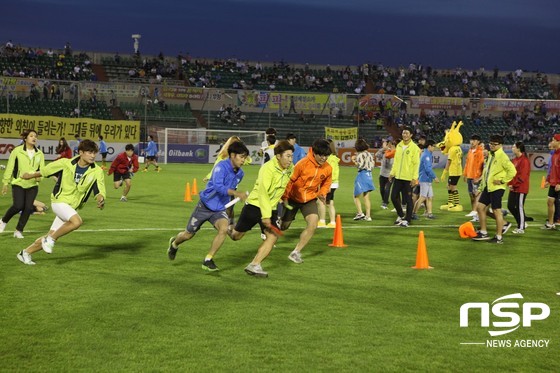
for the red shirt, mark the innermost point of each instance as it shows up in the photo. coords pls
(122, 164)
(553, 177)
(66, 153)
(520, 183)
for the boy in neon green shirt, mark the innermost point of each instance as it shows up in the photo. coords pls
(78, 178)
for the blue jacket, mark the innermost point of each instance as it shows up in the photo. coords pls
(102, 146)
(215, 195)
(299, 153)
(151, 150)
(425, 172)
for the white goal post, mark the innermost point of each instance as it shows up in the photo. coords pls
(188, 145)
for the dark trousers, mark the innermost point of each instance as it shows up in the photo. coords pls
(402, 187)
(516, 204)
(22, 201)
(385, 188)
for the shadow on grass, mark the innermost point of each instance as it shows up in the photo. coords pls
(95, 251)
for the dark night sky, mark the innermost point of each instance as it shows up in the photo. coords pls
(441, 33)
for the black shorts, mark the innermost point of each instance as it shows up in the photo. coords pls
(552, 193)
(494, 199)
(251, 216)
(104, 155)
(330, 195)
(118, 176)
(416, 189)
(453, 180)
(307, 208)
(151, 157)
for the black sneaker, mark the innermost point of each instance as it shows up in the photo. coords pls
(505, 228)
(497, 240)
(210, 266)
(481, 236)
(171, 251)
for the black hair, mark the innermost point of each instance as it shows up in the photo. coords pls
(88, 146)
(430, 142)
(361, 145)
(521, 146)
(26, 133)
(129, 147)
(476, 137)
(237, 147)
(407, 128)
(282, 146)
(497, 139)
(291, 136)
(270, 131)
(321, 147)
(271, 139)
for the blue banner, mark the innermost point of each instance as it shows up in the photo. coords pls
(178, 153)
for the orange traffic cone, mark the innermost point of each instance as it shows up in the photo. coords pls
(422, 254)
(543, 182)
(194, 188)
(188, 197)
(338, 241)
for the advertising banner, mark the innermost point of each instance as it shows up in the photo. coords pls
(342, 137)
(53, 128)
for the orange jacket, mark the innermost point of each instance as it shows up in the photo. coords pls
(474, 164)
(309, 180)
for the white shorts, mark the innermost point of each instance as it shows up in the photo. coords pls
(426, 190)
(63, 213)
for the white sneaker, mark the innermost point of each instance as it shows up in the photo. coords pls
(472, 213)
(255, 270)
(2, 226)
(367, 218)
(47, 244)
(123, 199)
(25, 258)
(17, 234)
(384, 206)
(475, 219)
(295, 256)
(263, 236)
(518, 231)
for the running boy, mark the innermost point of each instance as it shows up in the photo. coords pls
(262, 201)
(78, 178)
(310, 181)
(124, 166)
(222, 185)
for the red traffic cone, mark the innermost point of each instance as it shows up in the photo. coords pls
(422, 254)
(338, 241)
(187, 197)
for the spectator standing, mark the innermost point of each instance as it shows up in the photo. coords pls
(363, 184)
(103, 151)
(519, 186)
(404, 175)
(386, 155)
(151, 154)
(553, 181)
(299, 153)
(498, 172)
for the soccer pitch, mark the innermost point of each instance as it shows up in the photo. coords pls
(108, 299)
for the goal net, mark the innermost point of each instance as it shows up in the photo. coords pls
(187, 145)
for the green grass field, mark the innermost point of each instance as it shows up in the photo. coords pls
(108, 299)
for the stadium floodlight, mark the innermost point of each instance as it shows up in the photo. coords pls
(136, 45)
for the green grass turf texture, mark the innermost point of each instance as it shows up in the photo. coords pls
(108, 299)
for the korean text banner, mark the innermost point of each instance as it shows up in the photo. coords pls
(53, 128)
(342, 137)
